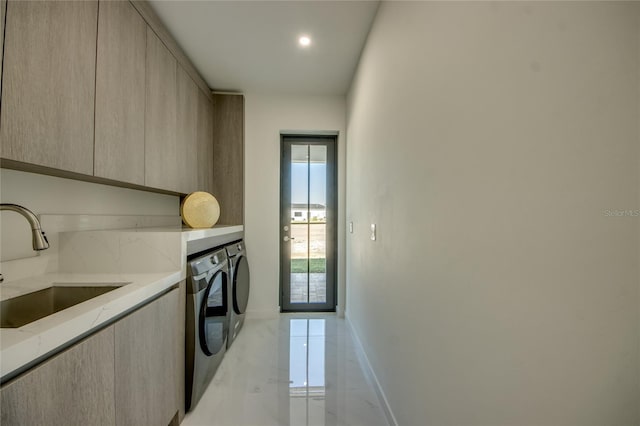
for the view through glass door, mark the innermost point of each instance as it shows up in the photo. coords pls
(308, 223)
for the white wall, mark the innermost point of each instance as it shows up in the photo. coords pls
(51, 195)
(265, 117)
(486, 141)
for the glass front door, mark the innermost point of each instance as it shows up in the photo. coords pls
(308, 223)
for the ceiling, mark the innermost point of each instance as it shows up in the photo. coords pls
(252, 46)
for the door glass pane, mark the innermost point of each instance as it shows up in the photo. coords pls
(299, 263)
(317, 223)
(299, 279)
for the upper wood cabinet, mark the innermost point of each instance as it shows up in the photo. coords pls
(102, 92)
(120, 93)
(3, 5)
(205, 143)
(228, 157)
(187, 122)
(49, 83)
(161, 151)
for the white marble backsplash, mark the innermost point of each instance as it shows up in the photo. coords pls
(70, 222)
(120, 252)
(54, 226)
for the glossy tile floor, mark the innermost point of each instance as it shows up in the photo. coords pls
(298, 370)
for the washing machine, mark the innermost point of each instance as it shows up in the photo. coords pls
(207, 320)
(239, 297)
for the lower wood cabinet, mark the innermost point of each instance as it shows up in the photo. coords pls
(148, 363)
(76, 387)
(130, 373)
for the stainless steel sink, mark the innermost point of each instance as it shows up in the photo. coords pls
(22, 310)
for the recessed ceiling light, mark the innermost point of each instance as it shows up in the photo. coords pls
(304, 41)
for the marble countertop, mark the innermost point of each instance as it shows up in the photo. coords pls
(22, 346)
(191, 234)
(106, 260)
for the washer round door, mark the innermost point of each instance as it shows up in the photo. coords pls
(213, 323)
(241, 285)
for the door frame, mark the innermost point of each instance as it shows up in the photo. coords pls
(331, 141)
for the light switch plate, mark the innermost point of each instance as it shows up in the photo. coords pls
(351, 227)
(373, 232)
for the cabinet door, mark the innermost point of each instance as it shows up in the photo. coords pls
(178, 305)
(73, 388)
(228, 157)
(149, 370)
(187, 110)
(49, 83)
(120, 93)
(205, 143)
(3, 5)
(160, 154)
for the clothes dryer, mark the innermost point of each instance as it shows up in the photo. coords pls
(207, 321)
(239, 294)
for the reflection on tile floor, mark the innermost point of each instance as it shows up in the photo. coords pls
(297, 370)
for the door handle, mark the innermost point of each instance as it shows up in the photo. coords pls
(287, 238)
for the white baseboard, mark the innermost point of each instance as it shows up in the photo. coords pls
(275, 313)
(391, 418)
